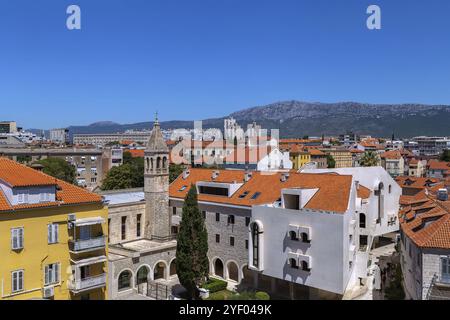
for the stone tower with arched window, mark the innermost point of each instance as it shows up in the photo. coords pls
(156, 186)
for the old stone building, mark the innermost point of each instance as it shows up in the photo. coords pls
(142, 247)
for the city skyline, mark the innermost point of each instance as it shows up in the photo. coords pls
(197, 61)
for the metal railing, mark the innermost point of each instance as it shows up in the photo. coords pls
(86, 283)
(79, 245)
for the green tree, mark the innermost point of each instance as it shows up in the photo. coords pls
(59, 168)
(235, 141)
(445, 155)
(127, 157)
(331, 163)
(174, 171)
(128, 175)
(192, 246)
(395, 289)
(369, 159)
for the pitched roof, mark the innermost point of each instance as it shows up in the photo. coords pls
(426, 221)
(438, 165)
(332, 195)
(363, 192)
(17, 175)
(156, 141)
(65, 194)
(392, 155)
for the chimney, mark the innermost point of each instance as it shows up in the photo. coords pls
(284, 177)
(248, 175)
(186, 173)
(215, 174)
(357, 184)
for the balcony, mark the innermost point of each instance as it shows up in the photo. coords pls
(88, 283)
(88, 244)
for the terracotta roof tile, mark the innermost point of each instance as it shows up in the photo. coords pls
(333, 194)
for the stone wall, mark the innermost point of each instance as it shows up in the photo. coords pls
(130, 211)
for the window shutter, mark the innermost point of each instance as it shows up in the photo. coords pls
(57, 272)
(56, 232)
(20, 237)
(49, 233)
(20, 286)
(13, 239)
(14, 281)
(47, 280)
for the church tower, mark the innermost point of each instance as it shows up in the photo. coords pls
(156, 186)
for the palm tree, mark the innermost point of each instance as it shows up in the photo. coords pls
(369, 159)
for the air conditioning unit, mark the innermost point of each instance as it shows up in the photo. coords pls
(72, 217)
(48, 292)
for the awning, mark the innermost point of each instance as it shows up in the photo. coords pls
(89, 261)
(88, 221)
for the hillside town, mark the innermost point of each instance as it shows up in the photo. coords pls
(345, 217)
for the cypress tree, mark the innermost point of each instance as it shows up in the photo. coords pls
(192, 246)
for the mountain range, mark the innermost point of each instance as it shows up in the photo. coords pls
(296, 119)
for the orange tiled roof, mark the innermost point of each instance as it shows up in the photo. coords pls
(333, 194)
(17, 175)
(417, 182)
(137, 153)
(438, 165)
(393, 155)
(426, 220)
(363, 192)
(316, 152)
(25, 176)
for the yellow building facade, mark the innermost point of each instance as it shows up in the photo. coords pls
(299, 159)
(53, 238)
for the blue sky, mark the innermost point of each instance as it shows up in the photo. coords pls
(194, 59)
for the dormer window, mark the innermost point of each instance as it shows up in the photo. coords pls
(183, 188)
(22, 197)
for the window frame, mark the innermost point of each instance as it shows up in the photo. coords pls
(52, 274)
(52, 233)
(19, 236)
(20, 275)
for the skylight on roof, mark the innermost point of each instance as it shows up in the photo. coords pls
(243, 195)
(183, 188)
(256, 195)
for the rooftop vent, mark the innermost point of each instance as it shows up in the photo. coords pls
(248, 175)
(215, 174)
(284, 177)
(186, 173)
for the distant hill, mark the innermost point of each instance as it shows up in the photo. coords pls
(295, 118)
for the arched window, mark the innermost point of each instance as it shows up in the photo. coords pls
(164, 163)
(255, 238)
(142, 275)
(151, 163)
(293, 235)
(218, 268)
(305, 238)
(305, 266)
(158, 163)
(233, 272)
(148, 164)
(159, 271)
(293, 263)
(173, 267)
(124, 280)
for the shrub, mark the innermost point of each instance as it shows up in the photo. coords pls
(260, 295)
(215, 285)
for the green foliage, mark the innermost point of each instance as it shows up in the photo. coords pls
(235, 141)
(112, 143)
(395, 289)
(23, 159)
(369, 159)
(261, 295)
(174, 171)
(127, 157)
(215, 285)
(331, 163)
(445, 156)
(59, 168)
(128, 175)
(192, 246)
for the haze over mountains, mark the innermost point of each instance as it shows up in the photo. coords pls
(295, 118)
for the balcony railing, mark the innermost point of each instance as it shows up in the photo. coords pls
(93, 243)
(88, 283)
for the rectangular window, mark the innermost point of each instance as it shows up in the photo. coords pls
(204, 214)
(445, 269)
(17, 238)
(230, 219)
(246, 244)
(22, 197)
(174, 230)
(217, 216)
(52, 233)
(51, 274)
(247, 221)
(109, 227)
(232, 241)
(17, 281)
(138, 225)
(218, 238)
(124, 228)
(174, 211)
